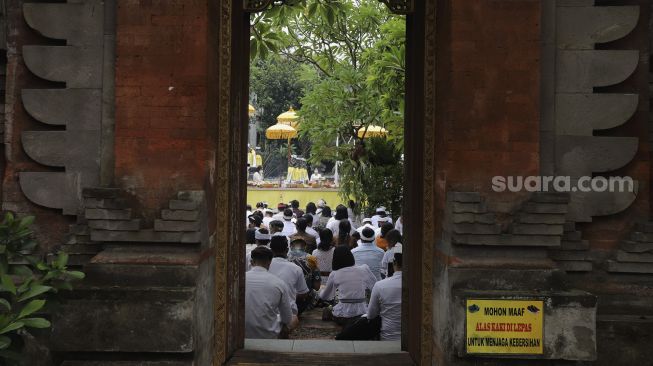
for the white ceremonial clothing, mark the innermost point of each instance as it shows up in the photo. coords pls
(289, 228)
(334, 226)
(350, 284)
(385, 301)
(311, 231)
(292, 275)
(399, 226)
(370, 255)
(375, 220)
(267, 304)
(388, 257)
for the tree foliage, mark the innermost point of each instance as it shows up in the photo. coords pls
(356, 49)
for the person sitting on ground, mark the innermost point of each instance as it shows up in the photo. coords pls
(324, 252)
(385, 300)
(310, 230)
(308, 264)
(323, 218)
(382, 215)
(350, 282)
(288, 272)
(311, 210)
(267, 218)
(334, 222)
(294, 205)
(369, 254)
(248, 211)
(254, 224)
(281, 207)
(288, 226)
(381, 240)
(257, 177)
(276, 227)
(394, 238)
(301, 227)
(262, 237)
(267, 302)
(344, 233)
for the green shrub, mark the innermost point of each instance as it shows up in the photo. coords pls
(27, 282)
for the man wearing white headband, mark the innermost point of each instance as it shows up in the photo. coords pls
(368, 253)
(381, 217)
(262, 237)
(385, 300)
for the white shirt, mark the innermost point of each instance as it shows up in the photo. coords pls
(371, 255)
(267, 304)
(267, 221)
(334, 226)
(248, 255)
(257, 177)
(375, 220)
(399, 225)
(324, 259)
(350, 284)
(292, 276)
(386, 302)
(311, 231)
(388, 257)
(288, 228)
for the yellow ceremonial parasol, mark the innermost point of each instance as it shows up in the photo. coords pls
(289, 118)
(281, 132)
(372, 131)
(251, 110)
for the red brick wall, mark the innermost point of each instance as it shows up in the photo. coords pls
(488, 121)
(161, 98)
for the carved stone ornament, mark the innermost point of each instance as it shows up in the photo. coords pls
(395, 6)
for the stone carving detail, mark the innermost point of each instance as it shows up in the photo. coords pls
(579, 111)
(395, 6)
(78, 107)
(635, 255)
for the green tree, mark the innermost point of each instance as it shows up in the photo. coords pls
(356, 49)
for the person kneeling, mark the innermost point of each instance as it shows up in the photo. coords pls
(385, 300)
(267, 302)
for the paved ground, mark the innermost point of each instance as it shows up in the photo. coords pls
(311, 326)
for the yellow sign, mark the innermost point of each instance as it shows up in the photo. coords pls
(505, 327)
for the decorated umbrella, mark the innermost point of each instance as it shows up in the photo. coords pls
(289, 118)
(282, 132)
(372, 131)
(250, 110)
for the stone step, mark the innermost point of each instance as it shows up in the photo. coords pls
(176, 225)
(471, 218)
(82, 248)
(145, 236)
(476, 228)
(180, 215)
(466, 197)
(550, 197)
(576, 266)
(102, 192)
(575, 245)
(636, 247)
(635, 257)
(537, 229)
(641, 237)
(629, 267)
(530, 218)
(507, 240)
(115, 225)
(107, 214)
(545, 208)
(476, 208)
